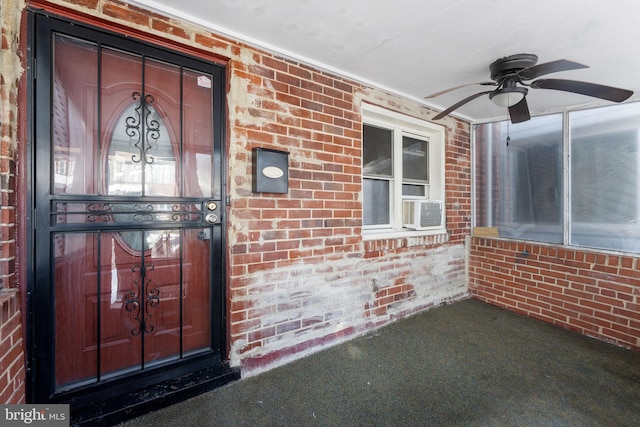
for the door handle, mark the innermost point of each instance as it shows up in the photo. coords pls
(211, 218)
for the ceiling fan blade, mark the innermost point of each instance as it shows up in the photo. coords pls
(451, 89)
(460, 104)
(583, 88)
(536, 71)
(520, 112)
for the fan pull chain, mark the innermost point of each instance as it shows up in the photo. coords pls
(508, 137)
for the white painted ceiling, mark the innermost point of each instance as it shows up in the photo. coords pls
(418, 47)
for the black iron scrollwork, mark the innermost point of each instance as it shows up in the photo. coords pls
(180, 208)
(180, 212)
(100, 212)
(146, 140)
(133, 300)
(140, 208)
(142, 217)
(180, 217)
(143, 212)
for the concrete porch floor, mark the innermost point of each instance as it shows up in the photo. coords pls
(468, 364)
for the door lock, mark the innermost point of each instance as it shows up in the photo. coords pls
(211, 218)
(211, 205)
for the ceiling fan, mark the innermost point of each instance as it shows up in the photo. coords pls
(511, 73)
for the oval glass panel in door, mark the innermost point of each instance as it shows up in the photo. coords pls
(141, 160)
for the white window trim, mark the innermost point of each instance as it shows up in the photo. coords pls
(410, 126)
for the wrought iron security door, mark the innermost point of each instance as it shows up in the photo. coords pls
(128, 262)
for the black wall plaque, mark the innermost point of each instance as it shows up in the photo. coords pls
(270, 171)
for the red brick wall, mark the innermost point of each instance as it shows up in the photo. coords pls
(10, 70)
(458, 180)
(300, 275)
(593, 293)
(12, 367)
(12, 361)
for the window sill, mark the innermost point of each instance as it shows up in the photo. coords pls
(369, 235)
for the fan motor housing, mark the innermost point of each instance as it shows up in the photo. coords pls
(511, 64)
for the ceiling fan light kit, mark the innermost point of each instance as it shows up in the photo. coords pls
(508, 97)
(511, 73)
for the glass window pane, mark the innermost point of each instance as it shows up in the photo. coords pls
(120, 347)
(162, 129)
(413, 190)
(121, 122)
(75, 277)
(196, 301)
(519, 186)
(74, 121)
(376, 202)
(162, 298)
(605, 163)
(415, 161)
(198, 134)
(377, 149)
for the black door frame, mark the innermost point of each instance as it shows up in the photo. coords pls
(39, 345)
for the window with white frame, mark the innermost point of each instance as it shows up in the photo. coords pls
(403, 173)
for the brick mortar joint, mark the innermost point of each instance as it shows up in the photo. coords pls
(8, 294)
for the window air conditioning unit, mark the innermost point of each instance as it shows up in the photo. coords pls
(419, 214)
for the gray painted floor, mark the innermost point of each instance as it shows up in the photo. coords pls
(468, 364)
